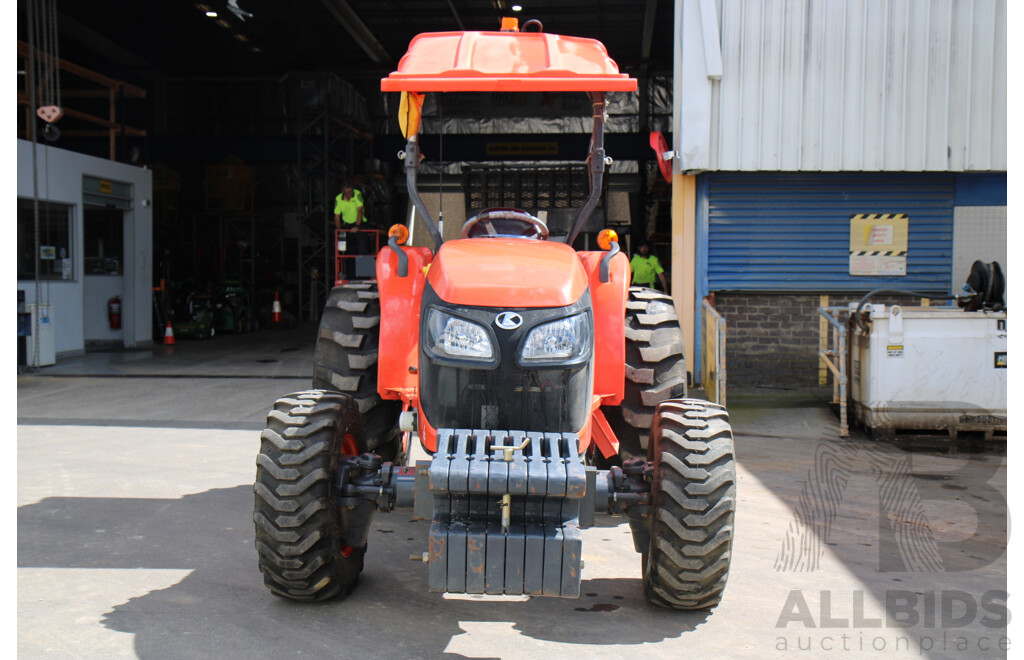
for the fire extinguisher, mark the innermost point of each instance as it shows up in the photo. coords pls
(114, 312)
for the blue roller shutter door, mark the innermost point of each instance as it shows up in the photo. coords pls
(790, 232)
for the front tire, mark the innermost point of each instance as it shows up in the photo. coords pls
(655, 368)
(694, 488)
(298, 531)
(345, 361)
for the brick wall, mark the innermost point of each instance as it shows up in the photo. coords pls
(772, 339)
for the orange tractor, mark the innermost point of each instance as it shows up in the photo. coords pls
(521, 365)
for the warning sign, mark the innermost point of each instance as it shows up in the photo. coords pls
(880, 235)
(878, 244)
(894, 350)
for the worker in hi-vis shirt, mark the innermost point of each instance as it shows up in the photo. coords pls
(646, 268)
(348, 214)
(348, 207)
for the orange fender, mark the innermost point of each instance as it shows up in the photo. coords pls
(609, 300)
(400, 297)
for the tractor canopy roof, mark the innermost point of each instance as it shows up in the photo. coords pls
(506, 62)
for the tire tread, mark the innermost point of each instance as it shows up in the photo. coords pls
(655, 368)
(295, 514)
(694, 505)
(345, 360)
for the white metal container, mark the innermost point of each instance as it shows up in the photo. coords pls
(929, 368)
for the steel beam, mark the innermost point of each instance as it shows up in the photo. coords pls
(354, 25)
(455, 13)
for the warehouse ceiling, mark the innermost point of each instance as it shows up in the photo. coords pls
(136, 40)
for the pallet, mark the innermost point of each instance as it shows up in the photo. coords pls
(961, 439)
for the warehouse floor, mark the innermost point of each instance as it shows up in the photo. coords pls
(135, 536)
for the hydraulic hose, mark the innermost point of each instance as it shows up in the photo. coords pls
(412, 166)
(895, 292)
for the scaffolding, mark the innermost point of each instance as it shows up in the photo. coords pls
(89, 88)
(330, 147)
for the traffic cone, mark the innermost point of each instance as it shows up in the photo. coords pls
(275, 310)
(169, 335)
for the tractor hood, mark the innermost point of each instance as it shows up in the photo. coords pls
(507, 272)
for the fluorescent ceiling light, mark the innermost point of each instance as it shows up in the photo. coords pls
(211, 14)
(517, 8)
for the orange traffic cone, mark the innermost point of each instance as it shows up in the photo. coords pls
(169, 335)
(275, 310)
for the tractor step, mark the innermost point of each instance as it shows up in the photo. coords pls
(506, 513)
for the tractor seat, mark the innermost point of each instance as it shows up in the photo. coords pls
(504, 223)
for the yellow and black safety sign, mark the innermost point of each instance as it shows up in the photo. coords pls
(879, 253)
(878, 244)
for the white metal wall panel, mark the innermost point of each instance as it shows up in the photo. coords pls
(863, 85)
(998, 121)
(725, 126)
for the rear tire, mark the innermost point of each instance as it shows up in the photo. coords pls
(346, 361)
(298, 533)
(694, 488)
(655, 368)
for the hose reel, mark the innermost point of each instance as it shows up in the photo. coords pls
(984, 288)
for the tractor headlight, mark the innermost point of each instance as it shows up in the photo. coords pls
(561, 341)
(452, 337)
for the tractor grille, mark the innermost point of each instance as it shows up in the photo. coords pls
(505, 398)
(505, 395)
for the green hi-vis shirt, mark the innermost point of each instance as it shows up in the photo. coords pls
(348, 209)
(645, 270)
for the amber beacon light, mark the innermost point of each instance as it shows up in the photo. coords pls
(606, 238)
(400, 233)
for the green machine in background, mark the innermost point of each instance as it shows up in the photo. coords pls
(192, 312)
(233, 309)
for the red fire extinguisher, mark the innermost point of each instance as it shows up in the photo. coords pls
(114, 312)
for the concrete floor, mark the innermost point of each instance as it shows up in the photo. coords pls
(135, 531)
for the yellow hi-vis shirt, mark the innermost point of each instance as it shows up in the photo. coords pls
(645, 270)
(348, 209)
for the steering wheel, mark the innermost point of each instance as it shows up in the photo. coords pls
(504, 223)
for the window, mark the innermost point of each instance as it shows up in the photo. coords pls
(526, 187)
(103, 239)
(55, 261)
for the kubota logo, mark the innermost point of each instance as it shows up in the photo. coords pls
(508, 320)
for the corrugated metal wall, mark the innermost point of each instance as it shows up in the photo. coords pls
(873, 85)
(791, 232)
